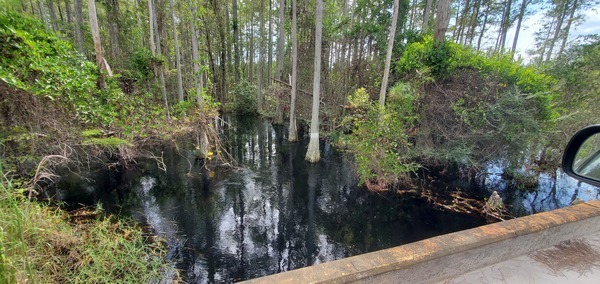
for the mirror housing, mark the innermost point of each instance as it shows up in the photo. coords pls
(584, 167)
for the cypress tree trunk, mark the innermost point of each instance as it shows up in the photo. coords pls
(442, 19)
(97, 43)
(293, 132)
(518, 29)
(313, 154)
(482, 30)
(43, 16)
(78, 23)
(236, 44)
(69, 12)
(161, 74)
(177, 55)
(563, 14)
(388, 56)
(260, 56)
(114, 29)
(251, 54)
(196, 58)
(270, 45)
(568, 27)
(53, 20)
(281, 42)
(505, 25)
(426, 13)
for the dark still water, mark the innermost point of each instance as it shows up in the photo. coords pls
(273, 212)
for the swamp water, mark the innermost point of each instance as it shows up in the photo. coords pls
(273, 212)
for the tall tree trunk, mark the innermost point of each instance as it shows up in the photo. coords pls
(251, 55)
(112, 14)
(151, 20)
(158, 49)
(60, 13)
(473, 23)
(177, 55)
(78, 23)
(505, 25)
(461, 21)
(281, 40)
(442, 19)
(293, 132)
(568, 27)
(413, 14)
(388, 56)
(518, 29)
(97, 43)
(236, 42)
(32, 7)
(426, 13)
(562, 15)
(53, 20)
(211, 58)
(270, 45)
(69, 12)
(196, 58)
(313, 153)
(261, 52)
(485, 19)
(202, 139)
(223, 51)
(43, 16)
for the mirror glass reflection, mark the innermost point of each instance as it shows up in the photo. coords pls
(587, 160)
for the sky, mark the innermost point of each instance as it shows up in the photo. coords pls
(531, 24)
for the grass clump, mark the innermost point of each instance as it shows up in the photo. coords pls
(39, 245)
(109, 142)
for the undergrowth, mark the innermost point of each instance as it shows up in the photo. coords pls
(454, 106)
(50, 106)
(38, 244)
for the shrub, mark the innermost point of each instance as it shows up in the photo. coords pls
(474, 108)
(44, 65)
(245, 98)
(379, 137)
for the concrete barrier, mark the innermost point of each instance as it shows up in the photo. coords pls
(450, 255)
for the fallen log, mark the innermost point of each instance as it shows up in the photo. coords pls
(290, 86)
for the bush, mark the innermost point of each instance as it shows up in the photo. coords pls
(379, 138)
(245, 96)
(44, 65)
(474, 108)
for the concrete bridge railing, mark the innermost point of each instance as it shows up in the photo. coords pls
(450, 255)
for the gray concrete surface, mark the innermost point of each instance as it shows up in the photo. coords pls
(560, 246)
(572, 261)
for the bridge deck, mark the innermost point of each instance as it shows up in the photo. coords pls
(572, 261)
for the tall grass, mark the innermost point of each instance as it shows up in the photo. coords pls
(38, 244)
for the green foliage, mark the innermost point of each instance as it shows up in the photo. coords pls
(425, 59)
(39, 245)
(379, 137)
(180, 109)
(140, 63)
(577, 71)
(359, 99)
(109, 142)
(40, 63)
(91, 133)
(245, 98)
(475, 108)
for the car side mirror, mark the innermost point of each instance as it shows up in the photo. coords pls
(581, 159)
